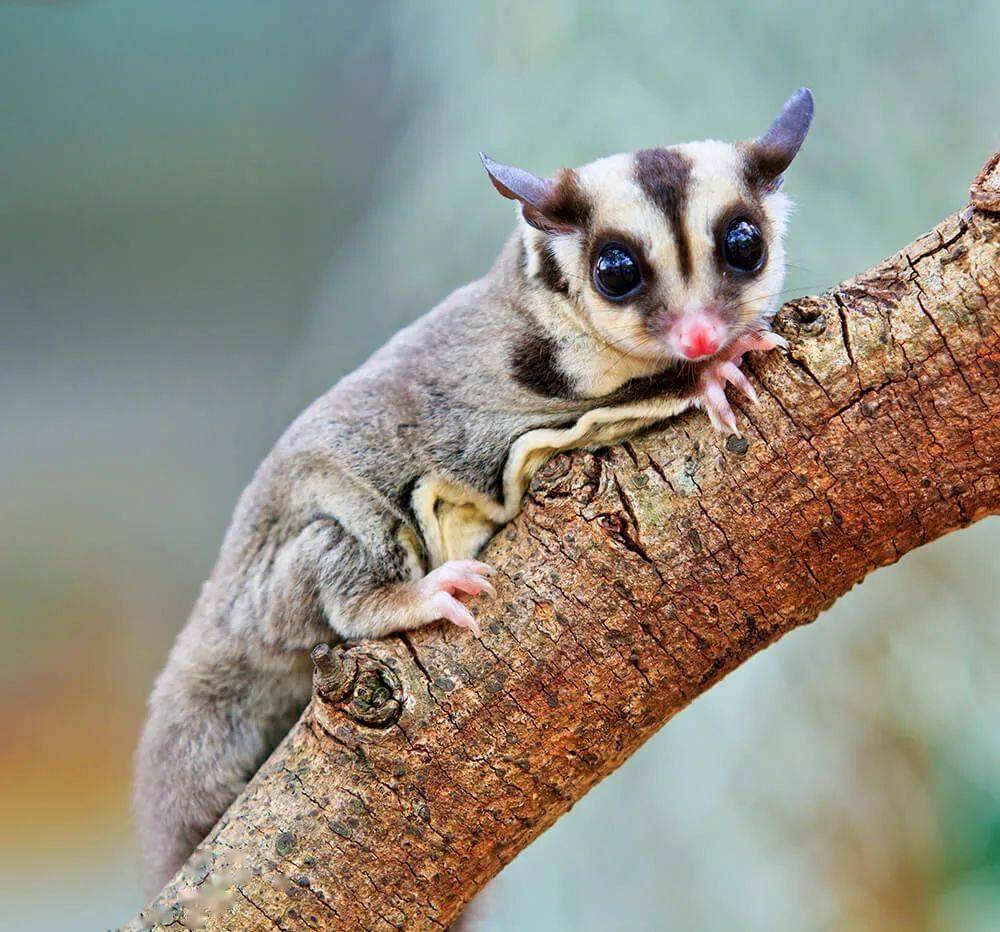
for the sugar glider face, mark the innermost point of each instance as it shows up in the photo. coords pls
(667, 254)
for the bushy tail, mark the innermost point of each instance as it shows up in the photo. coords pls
(210, 726)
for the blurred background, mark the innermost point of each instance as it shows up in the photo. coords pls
(209, 212)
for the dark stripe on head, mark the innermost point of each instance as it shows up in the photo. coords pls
(665, 177)
(762, 167)
(549, 271)
(568, 205)
(534, 362)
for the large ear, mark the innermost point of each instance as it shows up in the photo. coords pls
(772, 153)
(541, 201)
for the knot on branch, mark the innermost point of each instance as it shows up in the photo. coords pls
(363, 687)
(802, 318)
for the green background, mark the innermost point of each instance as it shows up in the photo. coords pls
(210, 211)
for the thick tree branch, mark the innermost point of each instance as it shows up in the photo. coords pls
(634, 579)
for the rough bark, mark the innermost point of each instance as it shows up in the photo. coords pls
(634, 579)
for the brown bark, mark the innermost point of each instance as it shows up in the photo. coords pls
(634, 579)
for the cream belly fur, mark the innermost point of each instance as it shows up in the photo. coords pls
(457, 522)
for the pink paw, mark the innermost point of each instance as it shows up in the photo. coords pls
(754, 341)
(440, 588)
(725, 370)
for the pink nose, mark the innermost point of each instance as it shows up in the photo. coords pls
(699, 341)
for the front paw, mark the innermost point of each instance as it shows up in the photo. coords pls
(762, 341)
(725, 370)
(440, 588)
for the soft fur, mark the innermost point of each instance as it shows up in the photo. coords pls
(419, 456)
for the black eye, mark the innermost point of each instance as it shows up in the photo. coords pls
(743, 246)
(616, 271)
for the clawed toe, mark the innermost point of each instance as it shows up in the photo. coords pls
(725, 370)
(447, 607)
(715, 403)
(760, 342)
(768, 340)
(469, 583)
(442, 586)
(732, 374)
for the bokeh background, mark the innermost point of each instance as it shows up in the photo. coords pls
(210, 211)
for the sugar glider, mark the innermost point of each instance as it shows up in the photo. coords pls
(628, 292)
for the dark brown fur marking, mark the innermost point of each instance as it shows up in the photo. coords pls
(549, 271)
(677, 380)
(522, 257)
(534, 362)
(567, 208)
(763, 166)
(569, 204)
(665, 176)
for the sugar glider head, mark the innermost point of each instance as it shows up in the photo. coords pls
(667, 253)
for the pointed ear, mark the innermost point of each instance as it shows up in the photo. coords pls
(772, 153)
(541, 198)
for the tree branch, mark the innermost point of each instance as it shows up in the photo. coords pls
(634, 579)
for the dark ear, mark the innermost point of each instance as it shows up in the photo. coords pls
(540, 197)
(772, 153)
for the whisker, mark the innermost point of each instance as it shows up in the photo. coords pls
(734, 306)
